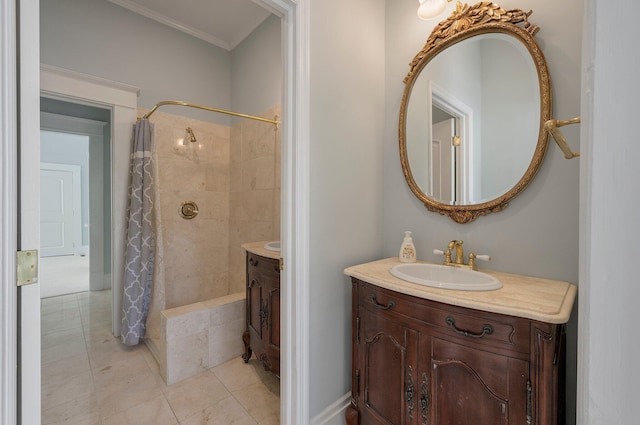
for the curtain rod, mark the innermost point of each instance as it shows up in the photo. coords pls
(209, 108)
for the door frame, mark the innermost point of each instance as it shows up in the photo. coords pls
(295, 208)
(100, 278)
(9, 212)
(295, 16)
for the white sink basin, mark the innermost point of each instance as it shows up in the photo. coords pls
(446, 277)
(272, 246)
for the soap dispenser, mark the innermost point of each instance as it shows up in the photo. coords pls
(407, 249)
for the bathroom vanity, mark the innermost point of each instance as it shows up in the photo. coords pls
(262, 333)
(423, 355)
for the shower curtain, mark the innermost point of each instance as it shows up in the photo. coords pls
(139, 249)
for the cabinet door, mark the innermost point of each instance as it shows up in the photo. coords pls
(389, 381)
(471, 386)
(271, 327)
(254, 308)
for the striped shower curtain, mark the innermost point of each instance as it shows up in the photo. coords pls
(139, 249)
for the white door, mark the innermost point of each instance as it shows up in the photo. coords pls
(59, 187)
(442, 157)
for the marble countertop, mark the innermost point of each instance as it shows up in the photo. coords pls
(259, 249)
(533, 298)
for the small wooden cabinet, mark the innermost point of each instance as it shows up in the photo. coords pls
(262, 334)
(421, 362)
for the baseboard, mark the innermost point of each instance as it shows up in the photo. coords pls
(333, 414)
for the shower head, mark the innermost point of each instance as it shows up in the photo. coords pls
(192, 137)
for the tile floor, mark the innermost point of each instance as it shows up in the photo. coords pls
(90, 378)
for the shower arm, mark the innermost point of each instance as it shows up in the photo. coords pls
(209, 108)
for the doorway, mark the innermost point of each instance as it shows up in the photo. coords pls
(461, 152)
(75, 194)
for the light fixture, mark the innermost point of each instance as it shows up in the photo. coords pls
(430, 9)
(552, 127)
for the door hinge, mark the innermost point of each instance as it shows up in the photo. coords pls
(26, 267)
(455, 141)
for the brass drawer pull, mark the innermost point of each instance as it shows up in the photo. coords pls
(486, 329)
(382, 306)
(253, 262)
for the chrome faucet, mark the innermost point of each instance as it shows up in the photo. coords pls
(459, 252)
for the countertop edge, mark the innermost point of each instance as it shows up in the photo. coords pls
(448, 296)
(258, 248)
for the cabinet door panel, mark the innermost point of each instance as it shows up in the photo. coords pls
(389, 372)
(254, 306)
(472, 387)
(272, 324)
(262, 335)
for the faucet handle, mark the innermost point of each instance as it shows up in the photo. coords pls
(483, 257)
(447, 255)
(473, 257)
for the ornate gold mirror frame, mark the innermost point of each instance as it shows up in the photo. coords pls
(465, 22)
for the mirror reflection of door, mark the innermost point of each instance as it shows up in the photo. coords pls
(459, 117)
(443, 157)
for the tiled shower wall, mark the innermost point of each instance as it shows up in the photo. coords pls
(233, 175)
(254, 201)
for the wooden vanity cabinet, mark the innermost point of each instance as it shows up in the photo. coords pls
(421, 362)
(262, 334)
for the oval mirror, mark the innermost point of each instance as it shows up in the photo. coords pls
(473, 112)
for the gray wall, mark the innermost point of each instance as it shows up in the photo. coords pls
(538, 233)
(99, 38)
(347, 114)
(256, 69)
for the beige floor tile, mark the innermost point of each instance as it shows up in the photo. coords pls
(270, 420)
(74, 387)
(81, 411)
(153, 412)
(259, 401)
(58, 322)
(62, 336)
(224, 412)
(130, 392)
(195, 394)
(108, 351)
(236, 374)
(56, 304)
(90, 378)
(72, 348)
(55, 372)
(118, 372)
